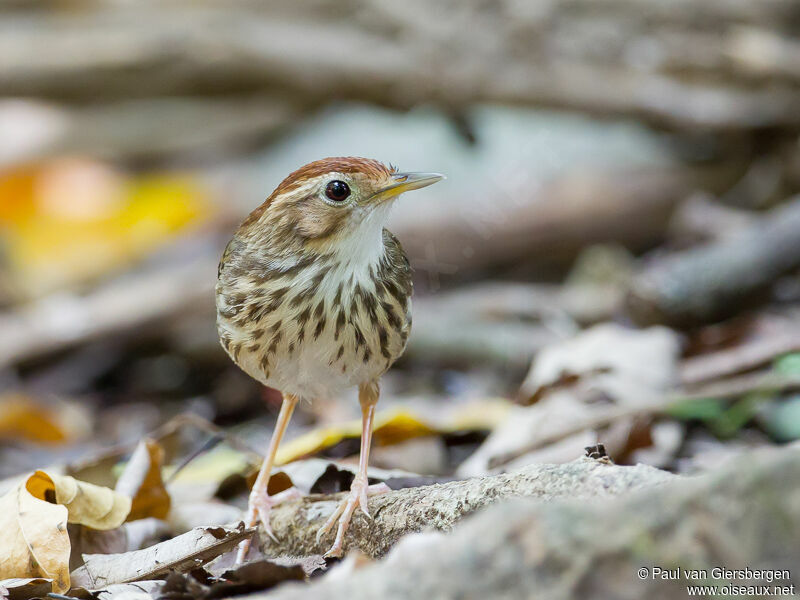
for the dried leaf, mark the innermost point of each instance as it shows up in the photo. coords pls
(185, 516)
(252, 576)
(22, 589)
(132, 535)
(34, 515)
(527, 425)
(68, 220)
(141, 480)
(141, 590)
(23, 418)
(628, 365)
(182, 553)
(395, 426)
(88, 504)
(35, 540)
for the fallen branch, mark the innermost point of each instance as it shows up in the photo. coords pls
(440, 506)
(741, 358)
(714, 281)
(711, 71)
(600, 549)
(734, 387)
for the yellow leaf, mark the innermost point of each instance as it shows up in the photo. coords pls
(141, 480)
(390, 428)
(212, 466)
(88, 504)
(72, 219)
(393, 427)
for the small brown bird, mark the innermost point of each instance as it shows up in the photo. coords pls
(314, 297)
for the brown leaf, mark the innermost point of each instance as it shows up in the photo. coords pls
(141, 480)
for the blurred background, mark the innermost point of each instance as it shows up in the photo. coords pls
(614, 257)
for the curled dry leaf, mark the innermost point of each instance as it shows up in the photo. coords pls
(182, 553)
(22, 589)
(35, 541)
(33, 519)
(92, 505)
(141, 480)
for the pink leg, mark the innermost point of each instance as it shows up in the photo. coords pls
(360, 490)
(260, 502)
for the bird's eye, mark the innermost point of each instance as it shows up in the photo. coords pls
(338, 191)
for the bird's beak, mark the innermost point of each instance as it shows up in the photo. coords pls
(405, 182)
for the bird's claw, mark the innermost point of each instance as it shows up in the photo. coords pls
(261, 504)
(359, 495)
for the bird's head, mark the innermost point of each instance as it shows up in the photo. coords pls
(330, 202)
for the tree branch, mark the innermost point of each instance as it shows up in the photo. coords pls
(440, 506)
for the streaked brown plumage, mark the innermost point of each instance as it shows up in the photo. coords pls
(314, 296)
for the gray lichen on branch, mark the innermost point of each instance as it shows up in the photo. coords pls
(440, 506)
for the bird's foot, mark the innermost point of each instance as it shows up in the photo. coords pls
(259, 507)
(360, 491)
(263, 504)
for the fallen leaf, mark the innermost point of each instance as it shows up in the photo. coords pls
(34, 515)
(141, 481)
(182, 553)
(132, 535)
(782, 419)
(788, 364)
(22, 589)
(35, 540)
(212, 467)
(72, 219)
(253, 576)
(24, 418)
(92, 505)
(667, 438)
(596, 380)
(185, 516)
(630, 365)
(141, 590)
(321, 476)
(527, 426)
(395, 426)
(426, 455)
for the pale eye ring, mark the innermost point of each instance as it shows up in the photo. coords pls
(337, 190)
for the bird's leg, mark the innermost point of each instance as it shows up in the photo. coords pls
(360, 490)
(260, 502)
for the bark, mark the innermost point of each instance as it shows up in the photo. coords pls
(715, 281)
(745, 515)
(440, 506)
